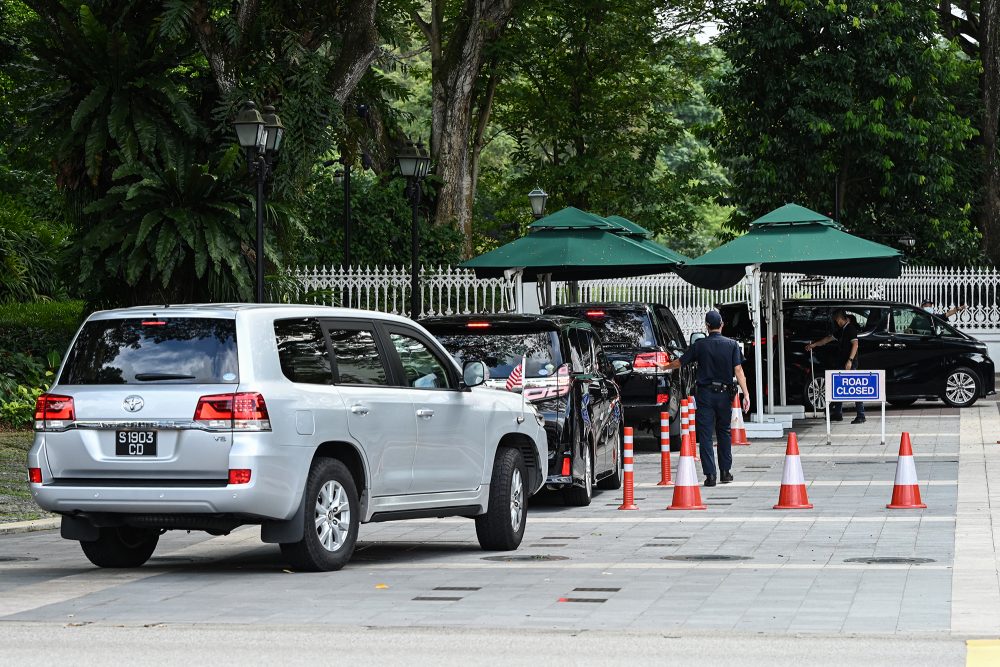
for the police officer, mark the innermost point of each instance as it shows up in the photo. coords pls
(719, 359)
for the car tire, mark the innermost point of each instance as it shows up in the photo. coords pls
(580, 496)
(961, 388)
(332, 517)
(121, 547)
(502, 526)
(901, 402)
(614, 480)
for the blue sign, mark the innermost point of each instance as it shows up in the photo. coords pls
(866, 386)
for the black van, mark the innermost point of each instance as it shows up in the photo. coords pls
(923, 356)
(569, 380)
(647, 337)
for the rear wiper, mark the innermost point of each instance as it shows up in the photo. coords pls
(146, 377)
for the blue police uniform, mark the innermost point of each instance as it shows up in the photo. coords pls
(717, 356)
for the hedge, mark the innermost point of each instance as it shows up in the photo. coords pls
(38, 328)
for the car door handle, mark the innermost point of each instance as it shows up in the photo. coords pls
(884, 345)
(900, 346)
(426, 413)
(359, 409)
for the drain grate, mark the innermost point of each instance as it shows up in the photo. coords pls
(596, 590)
(720, 504)
(457, 588)
(429, 598)
(725, 497)
(672, 537)
(861, 463)
(545, 545)
(559, 537)
(16, 559)
(705, 557)
(661, 544)
(527, 557)
(597, 600)
(890, 560)
(757, 467)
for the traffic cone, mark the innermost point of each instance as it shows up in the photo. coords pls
(687, 495)
(906, 489)
(737, 428)
(693, 428)
(793, 484)
(628, 483)
(665, 450)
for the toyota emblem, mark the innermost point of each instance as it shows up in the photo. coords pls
(132, 403)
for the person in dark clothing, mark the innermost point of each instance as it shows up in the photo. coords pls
(846, 335)
(719, 361)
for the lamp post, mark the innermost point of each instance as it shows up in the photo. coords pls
(260, 136)
(413, 163)
(537, 198)
(907, 241)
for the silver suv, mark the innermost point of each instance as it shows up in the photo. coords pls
(306, 420)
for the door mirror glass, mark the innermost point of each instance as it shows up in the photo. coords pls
(622, 367)
(474, 373)
(697, 335)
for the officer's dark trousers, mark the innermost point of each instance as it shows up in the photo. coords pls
(713, 412)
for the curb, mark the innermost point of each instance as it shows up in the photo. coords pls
(29, 526)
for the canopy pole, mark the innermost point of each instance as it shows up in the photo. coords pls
(780, 298)
(753, 274)
(765, 341)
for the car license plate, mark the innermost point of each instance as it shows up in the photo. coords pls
(135, 443)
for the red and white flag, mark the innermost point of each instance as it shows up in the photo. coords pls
(516, 379)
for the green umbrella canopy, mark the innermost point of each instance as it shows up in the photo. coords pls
(572, 218)
(643, 235)
(574, 253)
(793, 239)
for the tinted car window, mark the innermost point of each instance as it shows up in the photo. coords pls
(581, 341)
(501, 352)
(174, 350)
(358, 359)
(422, 369)
(674, 337)
(912, 321)
(302, 351)
(620, 328)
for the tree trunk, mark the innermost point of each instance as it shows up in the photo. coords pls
(456, 67)
(989, 219)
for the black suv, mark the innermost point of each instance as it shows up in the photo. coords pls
(923, 356)
(568, 378)
(645, 335)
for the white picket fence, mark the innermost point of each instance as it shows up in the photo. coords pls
(446, 290)
(449, 290)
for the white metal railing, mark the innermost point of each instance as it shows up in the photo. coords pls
(449, 290)
(446, 290)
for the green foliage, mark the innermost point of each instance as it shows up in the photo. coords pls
(30, 250)
(594, 108)
(861, 97)
(381, 223)
(17, 409)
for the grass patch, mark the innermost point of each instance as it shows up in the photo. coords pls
(15, 498)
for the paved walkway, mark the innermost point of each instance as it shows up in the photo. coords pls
(754, 570)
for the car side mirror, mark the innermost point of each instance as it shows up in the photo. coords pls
(697, 335)
(474, 373)
(938, 330)
(622, 367)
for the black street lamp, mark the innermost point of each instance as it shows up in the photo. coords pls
(537, 198)
(260, 137)
(413, 164)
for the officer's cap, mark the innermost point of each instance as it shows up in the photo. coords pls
(713, 319)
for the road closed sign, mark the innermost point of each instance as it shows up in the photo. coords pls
(864, 386)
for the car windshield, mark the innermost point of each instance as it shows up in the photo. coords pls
(501, 352)
(175, 350)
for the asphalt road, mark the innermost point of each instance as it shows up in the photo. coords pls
(738, 583)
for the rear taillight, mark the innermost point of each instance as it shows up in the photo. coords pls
(35, 475)
(239, 476)
(651, 362)
(566, 466)
(241, 412)
(53, 412)
(662, 398)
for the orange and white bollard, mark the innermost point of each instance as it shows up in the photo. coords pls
(665, 450)
(628, 482)
(693, 427)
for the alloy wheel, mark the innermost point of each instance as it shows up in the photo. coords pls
(516, 500)
(960, 388)
(816, 393)
(333, 516)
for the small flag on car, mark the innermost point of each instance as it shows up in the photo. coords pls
(516, 379)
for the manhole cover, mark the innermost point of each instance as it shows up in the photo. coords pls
(889, 560)
(705, 557)
(510, 559)
(15, 559)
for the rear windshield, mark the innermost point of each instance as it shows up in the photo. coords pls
(174, 350)
(501, 352)
(618, 328)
